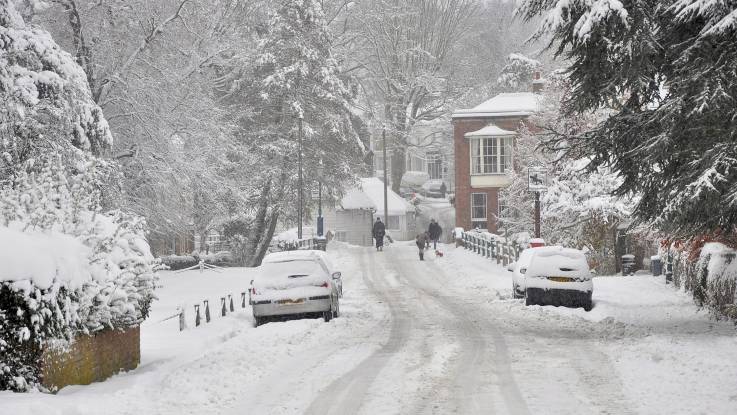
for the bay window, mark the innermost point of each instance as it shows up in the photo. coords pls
(491, 155)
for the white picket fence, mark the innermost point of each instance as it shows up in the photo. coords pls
(489, 245)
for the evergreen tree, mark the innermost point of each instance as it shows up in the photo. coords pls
(46, 104)
(293, 75)
(668, 71)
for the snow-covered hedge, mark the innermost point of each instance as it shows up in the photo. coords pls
(711, 277)
(176, 262)
(66, 268)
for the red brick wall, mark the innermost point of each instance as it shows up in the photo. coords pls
(90, 358)
(463, 188)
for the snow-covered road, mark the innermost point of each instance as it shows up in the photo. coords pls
(434, 337)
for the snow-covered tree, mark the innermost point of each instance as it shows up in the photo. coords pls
(408, 57)
(45, 103)
(292, 75)
(517, 74)
(666, 69)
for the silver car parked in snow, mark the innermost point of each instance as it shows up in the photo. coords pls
(295, 283)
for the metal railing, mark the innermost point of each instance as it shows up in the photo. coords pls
(491, 246)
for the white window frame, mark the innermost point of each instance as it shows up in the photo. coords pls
(501, 162)
(485, 219)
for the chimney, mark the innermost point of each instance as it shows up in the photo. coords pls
(537, 82)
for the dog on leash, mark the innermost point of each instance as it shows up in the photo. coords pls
(438, 253)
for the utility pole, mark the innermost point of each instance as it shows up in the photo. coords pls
(386, 202)
(299, 180)
(537, 214)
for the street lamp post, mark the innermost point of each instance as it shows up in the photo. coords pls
(320, 170)
(386, 203)
(299, 179)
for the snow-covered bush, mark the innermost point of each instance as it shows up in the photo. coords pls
(46, 103)
(67, 268)
(709, 271)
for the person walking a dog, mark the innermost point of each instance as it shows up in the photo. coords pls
(434, 231)
(421, 241)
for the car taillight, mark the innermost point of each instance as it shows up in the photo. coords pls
(324, 285)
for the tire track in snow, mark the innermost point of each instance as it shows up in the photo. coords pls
(346, 394)
(474, 362)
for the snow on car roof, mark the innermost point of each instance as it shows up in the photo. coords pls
(293, 256)
(284, 269)
(556, 260)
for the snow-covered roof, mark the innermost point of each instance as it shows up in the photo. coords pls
(490, 130)
(370, 195)
(504, 105)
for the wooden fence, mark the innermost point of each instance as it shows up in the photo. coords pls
(304, 244)
(494, 247)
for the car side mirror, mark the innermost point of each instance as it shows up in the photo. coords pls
(522, 270)
(336, 275)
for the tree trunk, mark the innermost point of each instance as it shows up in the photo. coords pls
(259, 224)
(266, 240)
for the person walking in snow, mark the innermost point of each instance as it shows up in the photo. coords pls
(421, 241)
(378, 233)
(434, 231)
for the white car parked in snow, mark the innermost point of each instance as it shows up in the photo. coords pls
(518, 270)
(554, 275)
(295, 283)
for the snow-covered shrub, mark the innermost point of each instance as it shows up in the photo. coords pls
(709, 271)
(67, 267)
(46, 106)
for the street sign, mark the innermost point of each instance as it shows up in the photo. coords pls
(537, 179)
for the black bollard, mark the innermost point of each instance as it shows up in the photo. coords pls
(197, 315)
(230, 298)
(207, 311)
(182, 321)
(222, 301)
(243, 300)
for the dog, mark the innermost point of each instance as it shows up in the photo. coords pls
(438, 253)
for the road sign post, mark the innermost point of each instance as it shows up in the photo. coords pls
(537, 181)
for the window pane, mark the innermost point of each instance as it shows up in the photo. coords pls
(478, 206)
(475, 157)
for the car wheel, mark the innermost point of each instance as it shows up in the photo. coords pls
(257, 321)
(588, 304)
(515, 292)
(327, 315)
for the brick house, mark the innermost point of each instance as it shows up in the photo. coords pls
(483, 140)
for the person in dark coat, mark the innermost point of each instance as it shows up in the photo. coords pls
(378, 233)
(421, 241)
(434, 231)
